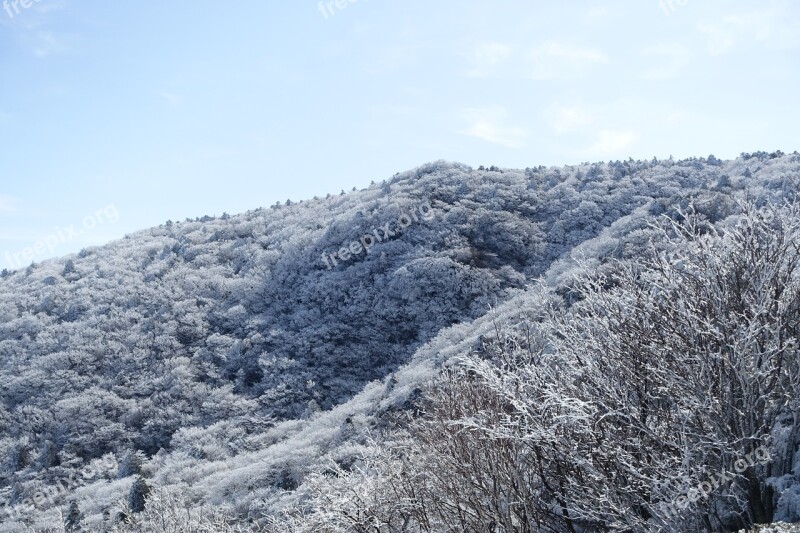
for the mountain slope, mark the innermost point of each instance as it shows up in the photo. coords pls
(203, 345)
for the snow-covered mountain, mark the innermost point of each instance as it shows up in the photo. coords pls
(226, 363)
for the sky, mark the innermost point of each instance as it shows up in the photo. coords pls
(117, 116)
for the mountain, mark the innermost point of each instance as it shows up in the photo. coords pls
(224, 361)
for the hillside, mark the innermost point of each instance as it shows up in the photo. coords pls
(227, 359)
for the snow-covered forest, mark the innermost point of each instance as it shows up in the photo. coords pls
(601, 347)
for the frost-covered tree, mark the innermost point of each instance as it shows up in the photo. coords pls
(663, 376)
(130, 465)
(72, 522)
(170, 513)
(195, 342)
(137, 496)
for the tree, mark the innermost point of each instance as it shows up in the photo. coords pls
(18, 458)
(72, 522)
(131, 464)
(69, 268)
(137, 496)
(171, 513)
(48, 456)
(665, 374)
(642, 407)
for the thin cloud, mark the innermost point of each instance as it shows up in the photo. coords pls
(612, 143)
(489, 124)
(486, 57)
(776, 28)
(570, 119)
(553, 60)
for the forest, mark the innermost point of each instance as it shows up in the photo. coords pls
(601, 347)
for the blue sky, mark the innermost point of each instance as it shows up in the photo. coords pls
(116, 116)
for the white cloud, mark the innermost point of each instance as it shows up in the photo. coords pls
(553, 60)
(722, 36)
(570, 119)
(612, 143)
(486, 56)
(489, 124)
(773, 28)
(666, 60)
